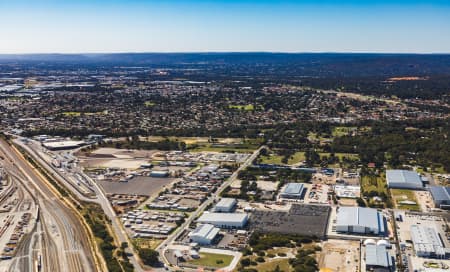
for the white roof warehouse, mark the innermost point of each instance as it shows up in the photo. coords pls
(224, 220)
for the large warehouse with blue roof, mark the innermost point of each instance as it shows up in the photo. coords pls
(441, 196)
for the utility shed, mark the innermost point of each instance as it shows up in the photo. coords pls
(441, 196)
(204, 234)
(225, 205)
(378, 258)
(403, 179)
(360, 220)
(224, 220)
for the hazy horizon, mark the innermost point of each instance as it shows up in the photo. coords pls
(197, 26)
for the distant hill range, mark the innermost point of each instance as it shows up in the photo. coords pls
(307, 64)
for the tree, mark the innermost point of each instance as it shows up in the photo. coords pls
(149, 256)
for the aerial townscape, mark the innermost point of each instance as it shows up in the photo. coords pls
(159, 167)
(231, 136)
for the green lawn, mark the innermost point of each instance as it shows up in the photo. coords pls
(341, 155)
(149, 103)
(271, 159)
(236, 148)
(248, 107)
(77, 113)
(373, 183)
(342, 131)
(297, 157)
(212, 260)
(399, 195)
(276, 159)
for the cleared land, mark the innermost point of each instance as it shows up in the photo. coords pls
(271, 264)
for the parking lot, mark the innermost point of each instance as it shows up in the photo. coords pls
(138, 185)
(309, 220)
(150, 224)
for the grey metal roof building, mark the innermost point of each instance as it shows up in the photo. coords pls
(224, 220)
(225, 205)
(293, 191)
(360, 220)
(441, 196)
(403, 179)
(378, 257)
(427, 242)
(204, 234)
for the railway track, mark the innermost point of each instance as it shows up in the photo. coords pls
(65, 246)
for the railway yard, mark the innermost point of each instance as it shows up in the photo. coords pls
(42, 233)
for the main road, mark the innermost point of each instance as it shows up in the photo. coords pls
(66, 246)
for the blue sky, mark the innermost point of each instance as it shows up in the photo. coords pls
(65, 26)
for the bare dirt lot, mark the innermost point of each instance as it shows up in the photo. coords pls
(138, 185)
(340, 256)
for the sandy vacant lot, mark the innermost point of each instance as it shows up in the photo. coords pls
(340, 255)
(113, 163)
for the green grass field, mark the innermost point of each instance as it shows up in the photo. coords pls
(212, 260)
(341, 155)
(372, 183)
(244, 148)
(297, 157)
(342, 131)
(149, 103)
(399, 195)
(77, 113)
(276, 159)
(248, 107)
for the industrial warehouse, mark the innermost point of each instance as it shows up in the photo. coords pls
(360, 220)
(225, 205)
(204, 234)
(441, 196)
(403, 179)
(224, 220)
(378, 258)
(427, 243)
(293, 191)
